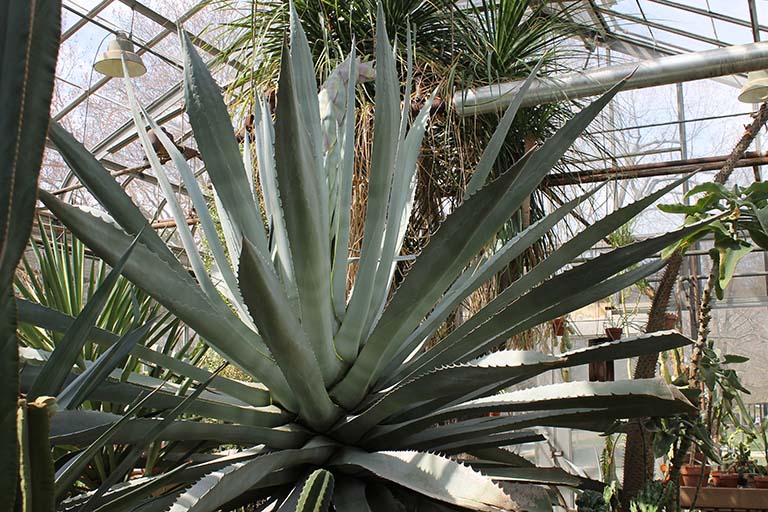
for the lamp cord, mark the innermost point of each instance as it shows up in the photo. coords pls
(88, 88)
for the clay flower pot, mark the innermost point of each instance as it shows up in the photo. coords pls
(725, 479)
(691, 474)
(614, 333)
(670, 321)
(761, 481)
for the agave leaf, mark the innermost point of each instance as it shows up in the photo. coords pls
(385, 141)
(68, 429)
(270, 309)
(137, 491)
(643, 393)
(438, 477)
(557, 260)
(198, 202)
(36, 314)
(458, 240)
(491, 151)
(128, 462)
(108, 192)
(497, 370)
(210, 405)
(216, 141)
(77, 392)
(410, 436)
(578, 407)
(453, 380)
(489, 373)
(403, 189)
(474, 277)
(182, 228)
(349, 496)
(538, 475)
(343, 204)
(177, 292)
(491, 441)
(399, 210)
(299, 181)
(272, 204)
(289, 502)
(303, 71)
(381, 499)
(68, 474)
(53, 375)
(562, 294)
(500, 455)
(221, 486)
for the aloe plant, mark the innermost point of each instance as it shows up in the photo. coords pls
(343, 383)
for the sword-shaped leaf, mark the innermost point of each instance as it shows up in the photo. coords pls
(463, 234)
(216, 141)
(51, 379)
(287, 339)
(438, 477)
(78, 390)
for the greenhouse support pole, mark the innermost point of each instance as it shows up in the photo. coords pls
(648, 73)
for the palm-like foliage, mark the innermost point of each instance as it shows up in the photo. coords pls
(342, 383)
(458, 45)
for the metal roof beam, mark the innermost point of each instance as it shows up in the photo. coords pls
(754, 21)
(125, 134)
(85, 19)
(140, 50)
(648, 73)
(660, 26)
(712, 14)
(170, 25)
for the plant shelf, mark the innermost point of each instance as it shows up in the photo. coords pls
(721, 498)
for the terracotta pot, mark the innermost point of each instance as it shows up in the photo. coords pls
(690, 474)
(558, 325)
(614, 333)
(670, 321)
(761, 481)
(723, 479)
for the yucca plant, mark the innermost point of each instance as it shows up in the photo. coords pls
(347, 409)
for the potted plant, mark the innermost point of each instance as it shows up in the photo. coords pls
(761, 477)
(695, 473)
(614, 333)
(727, 474)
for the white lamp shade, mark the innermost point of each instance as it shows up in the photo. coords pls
(755, 89)
(109, 63)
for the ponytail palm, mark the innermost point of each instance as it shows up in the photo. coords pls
(347, 407)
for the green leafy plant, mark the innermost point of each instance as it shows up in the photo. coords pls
(649, 498)
(343, 383)
(744, 220)
(592, 501)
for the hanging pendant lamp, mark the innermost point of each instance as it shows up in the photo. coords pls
(755, 89)
(110, 64)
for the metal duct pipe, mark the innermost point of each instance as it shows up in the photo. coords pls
(649, 73)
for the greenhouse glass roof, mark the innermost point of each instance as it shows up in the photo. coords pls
(95, 107)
